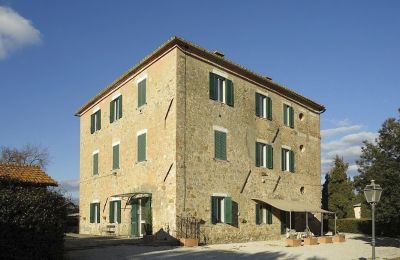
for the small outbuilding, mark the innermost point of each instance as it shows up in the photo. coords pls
(25, 175)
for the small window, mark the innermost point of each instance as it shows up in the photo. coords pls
(116, 109)
(221, 89)
(301, 116)
(141, 147)
(264, 155)
(95, 121)
(263, 214)
(95, 212)
(221, 209)
(142, 93)
(263, 106)
(96, 163)
(287, 160)
(288, 116)
(115, 211)
(115, 162)
(219, 145)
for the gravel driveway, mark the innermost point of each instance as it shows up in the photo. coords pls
(355, 247)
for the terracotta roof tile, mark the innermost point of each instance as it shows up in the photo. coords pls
(26, 174)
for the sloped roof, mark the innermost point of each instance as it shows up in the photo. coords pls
(26, 174)
(193, 49)
(293, 206)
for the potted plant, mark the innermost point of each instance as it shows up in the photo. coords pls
(292, 240)
(339, 237)
(148, 236)
(309, 238)
(325, 239)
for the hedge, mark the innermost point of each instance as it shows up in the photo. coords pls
(32, 222)
(351, 225)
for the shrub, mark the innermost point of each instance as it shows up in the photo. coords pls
(351, 225)
(32, 222)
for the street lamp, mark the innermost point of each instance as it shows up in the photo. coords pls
(372, 194)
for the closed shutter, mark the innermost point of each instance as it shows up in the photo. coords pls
(141, 150)
(112, 111)
(220, 145)
(269, 108)
(120, 107)
(92, 124)
(111, 205)
(285, 115)
(98, 120)
(258, 214)
(291, 161)
(270, 157)
(142, 93)
(283, 159)
(258, 154)
(97, 205)
(214, 210)
(95, 164)
(118, 211)
(269, 215)
(229, 93)
(116, 157)
(291, 117)
(228, 210)
(258, 105)
(91, 213)
(213, 86)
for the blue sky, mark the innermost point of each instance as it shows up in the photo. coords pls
(55, 55)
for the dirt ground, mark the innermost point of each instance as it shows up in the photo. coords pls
(355, 247)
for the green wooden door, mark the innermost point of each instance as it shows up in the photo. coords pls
(135, 219)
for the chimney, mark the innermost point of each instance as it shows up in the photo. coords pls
(220, 54)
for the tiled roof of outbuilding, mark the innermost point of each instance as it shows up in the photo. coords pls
(26, 174)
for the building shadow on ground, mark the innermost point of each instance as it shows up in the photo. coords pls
(379, 241)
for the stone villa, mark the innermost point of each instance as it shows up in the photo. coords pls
(188, 132)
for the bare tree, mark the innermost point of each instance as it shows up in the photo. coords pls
(27, 155)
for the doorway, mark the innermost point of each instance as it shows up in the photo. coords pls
(141, 217)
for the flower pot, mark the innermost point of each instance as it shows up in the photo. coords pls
(293, 242)
(190, 242)
(325, 239)
(339, 238)
(310, 241)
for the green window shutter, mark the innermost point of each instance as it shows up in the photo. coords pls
(112, 111)
(283, 159)
(99, 120)
(119, 211)
(258, 215)
(258, 104)
(214, 209)
(285, 115)
(220, 145)
(120, 106)
(270, 157)
(91, 213)
(111, 217)
(142, 93)
(141, 149)
(116, 157)
(228, 210)
(291, 117)
(269, 215)
(258, 154)
(229, 92)
(98, 212)
(92, 124)
(291, 162)
(269, 108)
(95, 164)
(213, 86)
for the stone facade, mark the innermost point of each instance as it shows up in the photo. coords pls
(183, 141)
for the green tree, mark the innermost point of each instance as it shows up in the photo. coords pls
(337, 191)
(380, 161)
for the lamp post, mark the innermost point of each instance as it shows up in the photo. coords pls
(372, 194)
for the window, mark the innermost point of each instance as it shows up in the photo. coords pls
(264, 155)
(142, 93)
(287, 160)
(115, 211)
(263, 106)
(115, 162)
(95, 212)
(221, 89)
(96, 163)
(263, 214)
(288, 116)
(116, 109)
(95, 121)
(219, 145)
(221, 210)
(141, 146)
